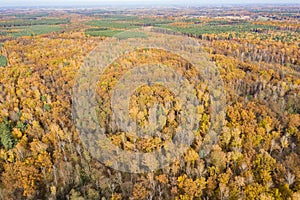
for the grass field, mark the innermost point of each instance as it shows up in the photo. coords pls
(210, 28)
(31, 22)
(30, 30)
(130, 34)
(102, 32)
(121, 34)
(197, 28)
(113, 24)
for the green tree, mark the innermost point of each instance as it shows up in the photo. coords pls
(6, 137)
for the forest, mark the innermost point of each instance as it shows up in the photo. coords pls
(256, 51)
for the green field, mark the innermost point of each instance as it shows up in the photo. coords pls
(30, 25)
(121, 34)
(102, 32)
(197, 28)
(210, 28)
(130, 34)
(113, 24)
(30, 30)
(31, 22)
(27, 15)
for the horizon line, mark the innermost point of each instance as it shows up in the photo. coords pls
(144, 4)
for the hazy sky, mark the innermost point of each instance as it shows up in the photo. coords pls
(140, 2)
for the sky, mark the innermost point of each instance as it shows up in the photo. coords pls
(5, 3)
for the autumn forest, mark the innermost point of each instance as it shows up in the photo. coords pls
(255, 52)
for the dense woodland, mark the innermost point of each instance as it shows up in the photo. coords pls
(257, 155)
